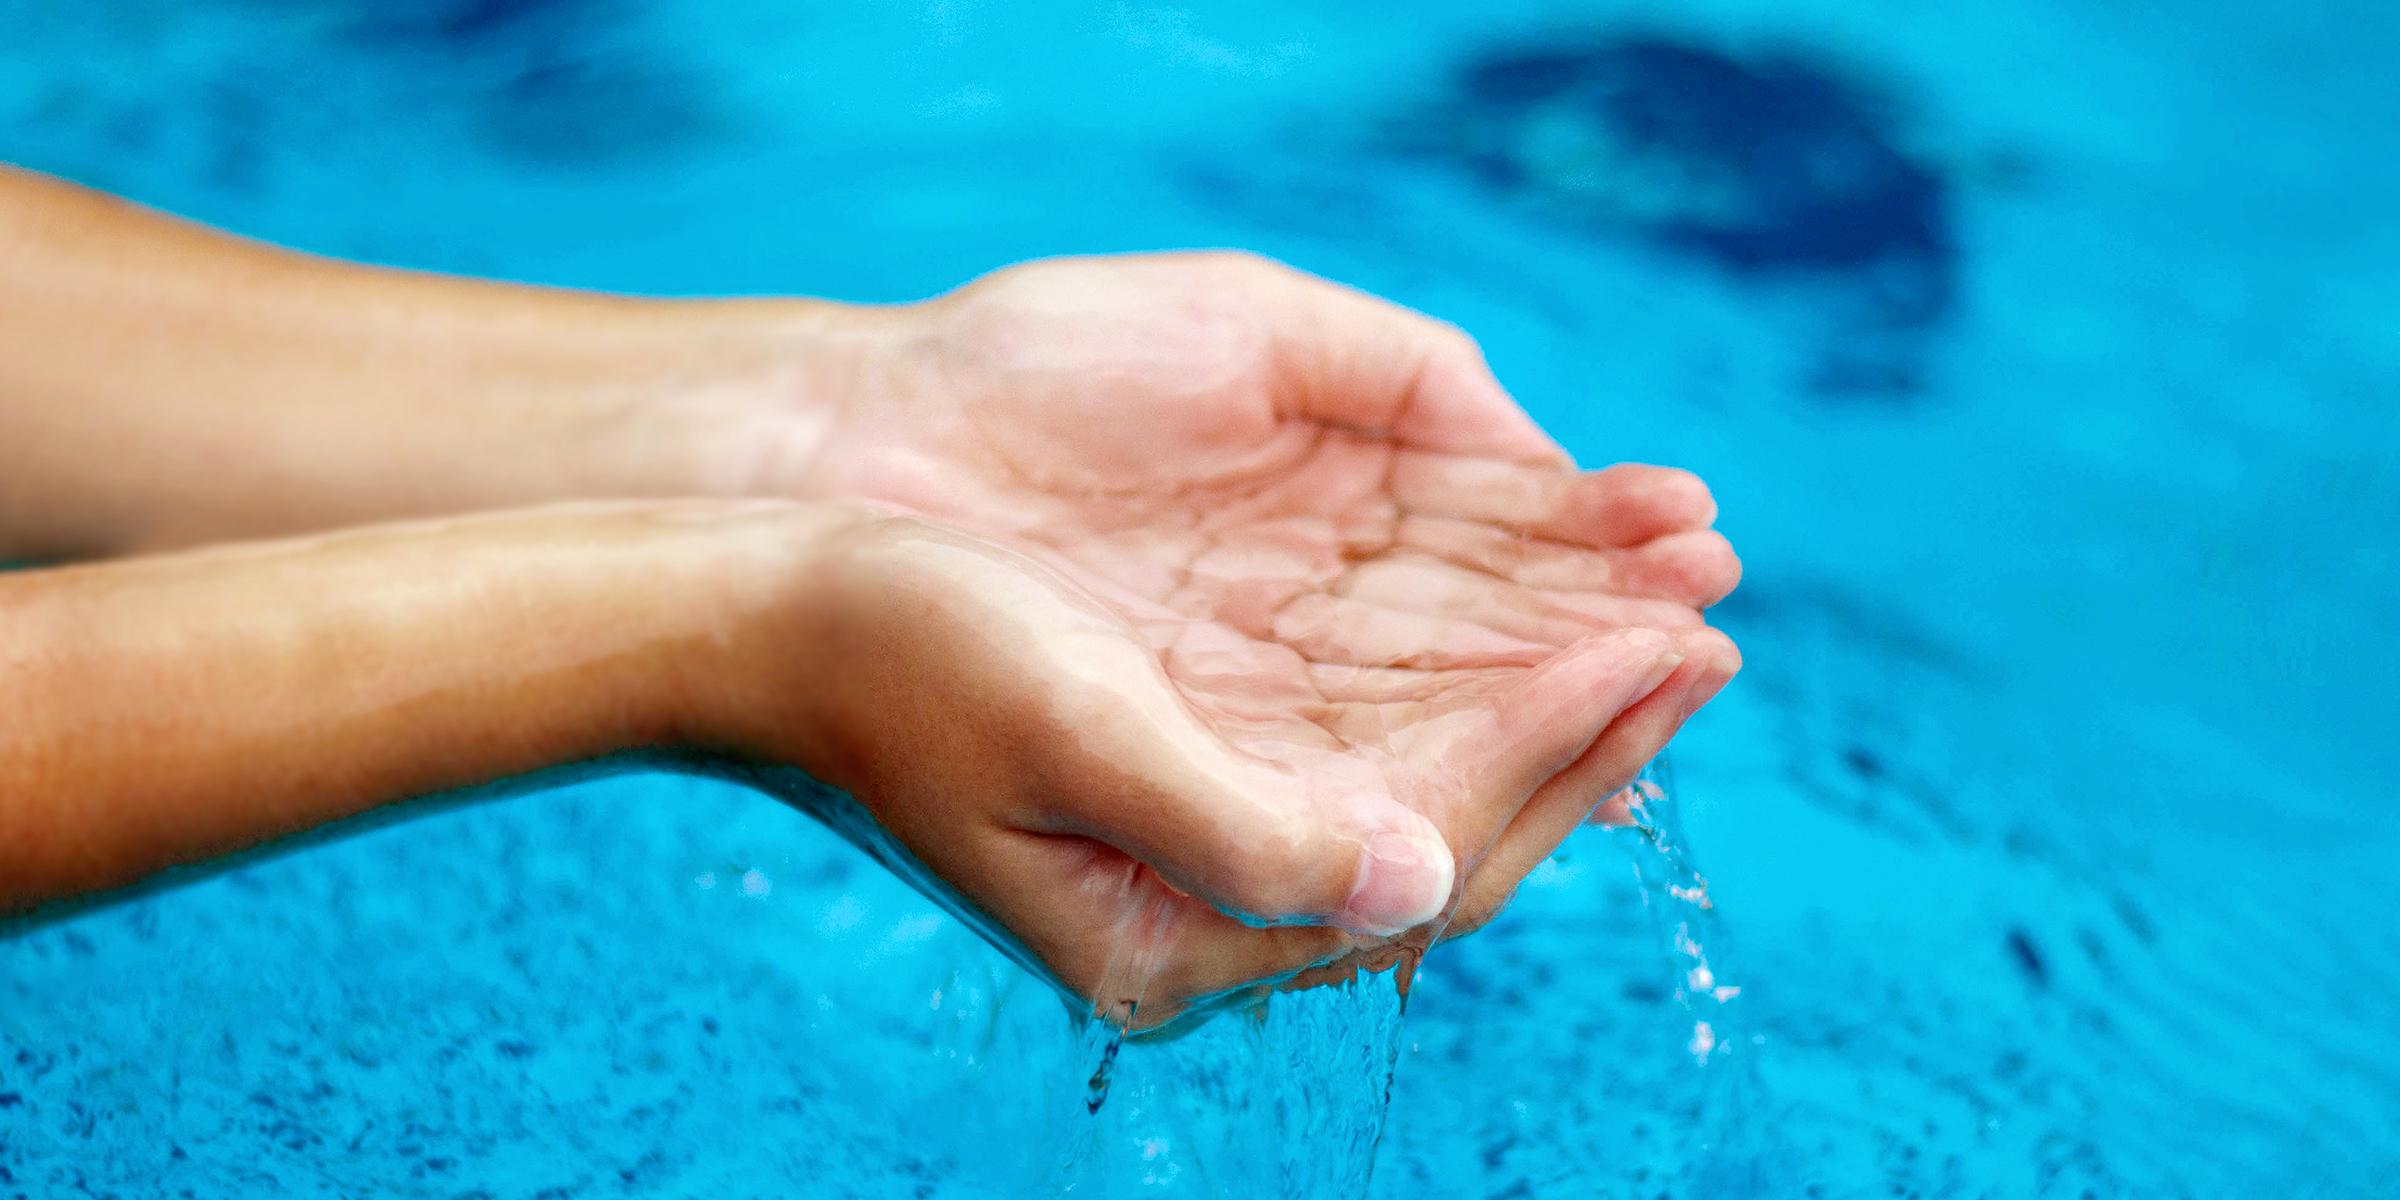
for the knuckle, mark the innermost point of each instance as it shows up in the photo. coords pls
(1459, 341)
(1439, 344)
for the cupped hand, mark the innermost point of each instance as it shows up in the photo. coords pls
(1342, 557)
(1163, 831)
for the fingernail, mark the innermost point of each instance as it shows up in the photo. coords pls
(1700, 693)
(1403, 882)
(1661, 669)
(1631, 689)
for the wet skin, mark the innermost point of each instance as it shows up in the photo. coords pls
(1184, 561)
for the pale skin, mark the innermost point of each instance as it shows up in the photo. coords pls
(1184, 567)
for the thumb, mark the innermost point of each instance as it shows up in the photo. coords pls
(1337, 849)
(1298, 835)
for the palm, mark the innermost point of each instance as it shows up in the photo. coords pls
(1310, 619)
(1354, 559)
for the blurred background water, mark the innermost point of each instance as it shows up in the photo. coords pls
(2043, 355)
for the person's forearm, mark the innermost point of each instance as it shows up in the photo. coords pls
(162, 384)
(164, 710)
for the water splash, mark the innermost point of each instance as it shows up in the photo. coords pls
(1149, 924)
(1287, 1099)
(1699, 959)
(1291, 1098)
(1109, 1036)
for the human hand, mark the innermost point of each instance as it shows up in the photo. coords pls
(1216, 438)
(1316, 510)
(1026, 740)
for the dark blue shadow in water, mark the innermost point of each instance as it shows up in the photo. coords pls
(1775, 167)
(561, 82)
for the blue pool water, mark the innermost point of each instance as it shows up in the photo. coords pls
(2044, 359)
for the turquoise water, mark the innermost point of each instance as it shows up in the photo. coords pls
(2049, 832)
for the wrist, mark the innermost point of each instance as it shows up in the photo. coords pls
(752, 587)
(737, 397)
